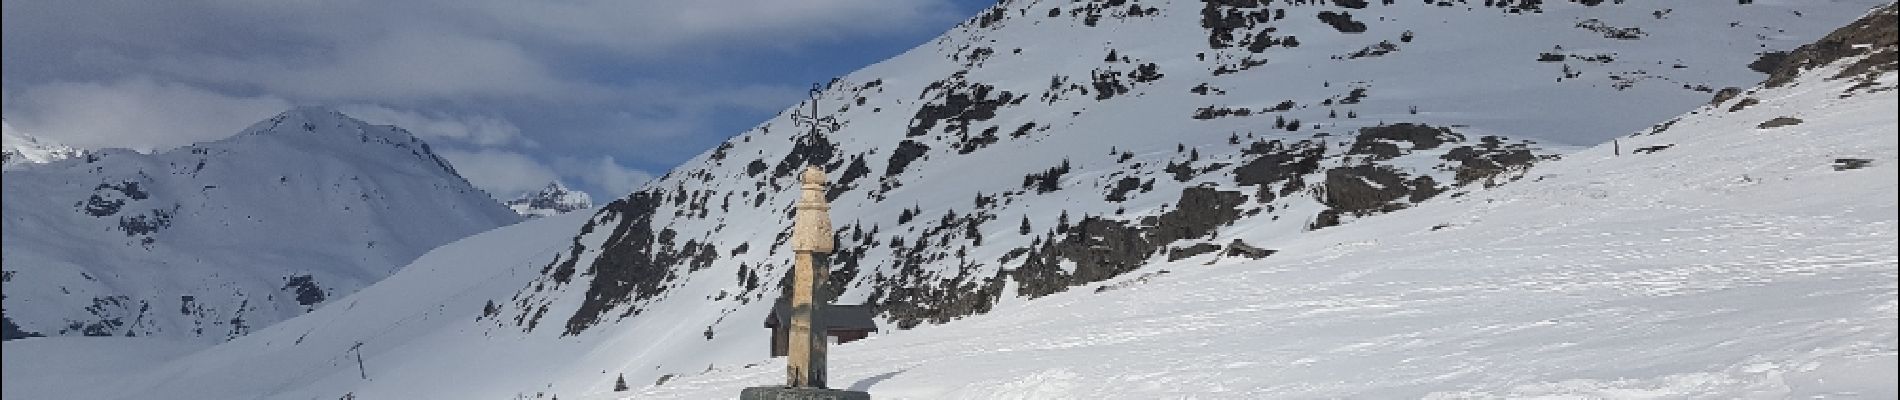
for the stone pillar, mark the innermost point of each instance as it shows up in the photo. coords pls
(811, 240)
(805, 360)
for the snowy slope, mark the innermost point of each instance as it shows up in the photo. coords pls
(1738, 263)
(213, 240)
(555, 199)
(671, 282)
(20, 149)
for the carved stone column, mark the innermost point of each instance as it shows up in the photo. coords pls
(805, 360)
(811, 241)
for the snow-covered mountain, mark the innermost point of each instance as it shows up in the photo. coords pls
(1245, 199)
(19, 149)
(555, 199)
(217, 239)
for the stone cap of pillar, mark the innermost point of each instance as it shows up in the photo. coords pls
(811, 226)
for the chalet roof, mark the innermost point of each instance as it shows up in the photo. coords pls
(835, 316)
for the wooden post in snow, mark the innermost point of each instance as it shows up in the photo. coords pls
(358, 349)
(811, 241)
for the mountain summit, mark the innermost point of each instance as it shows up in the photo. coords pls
(216, 239)
(554, 199)
(19, 149)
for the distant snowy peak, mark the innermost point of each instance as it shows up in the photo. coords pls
(234, 234)
(317, 127)
(22, 149)
(555, 199)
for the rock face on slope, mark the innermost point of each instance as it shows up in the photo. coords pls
(1133, 148)
(217, 239)
(1869, 41)
(555, 199)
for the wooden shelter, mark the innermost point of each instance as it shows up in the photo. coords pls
(846, 323)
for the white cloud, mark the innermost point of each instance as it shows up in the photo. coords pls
(137, 113)
(480, 76)
(646, 28)
(416, 50)
(480, 130)
(503, 174)
(605, 175)
(403, 66)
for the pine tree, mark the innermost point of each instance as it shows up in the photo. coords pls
(1024, 229)
(620, 383)
(1062, 223)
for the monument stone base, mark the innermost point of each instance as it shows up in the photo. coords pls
(799, 393)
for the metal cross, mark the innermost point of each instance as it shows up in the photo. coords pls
(828, 123)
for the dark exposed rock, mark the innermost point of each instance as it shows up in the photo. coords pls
(1149, 72)
(1382, 142)
(960, 103)
(1488, 158)
(1182, 172)
(1651, 149)
(907, 151)
(1342, 22)
(1744, 103)
(1119, 193)
(1107, 84)
(1277, 163)
(1611, 32)
(967, 143)
(755, 167)
(1843, 164)
(1212, 112)
(1023, 130)
(1101, 248)
(1240, 248)
(1374, 50)
(305, 288)
(1179, 253)
(635, 261)
(808, 149)
(1724, 95)
(1362, 190)
(144, 224)
(1778, 122)
(1872, 36)
(856, 170)
(9, 330)
(108, 198)
(1768, 62)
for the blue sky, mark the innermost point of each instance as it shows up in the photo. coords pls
(600, 94)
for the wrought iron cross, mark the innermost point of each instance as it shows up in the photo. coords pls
(828, 123)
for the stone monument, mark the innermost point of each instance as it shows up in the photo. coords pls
(805, 360)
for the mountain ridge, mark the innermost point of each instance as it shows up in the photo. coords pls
(186, 230)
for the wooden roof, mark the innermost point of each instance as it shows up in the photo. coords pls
(835, 316)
